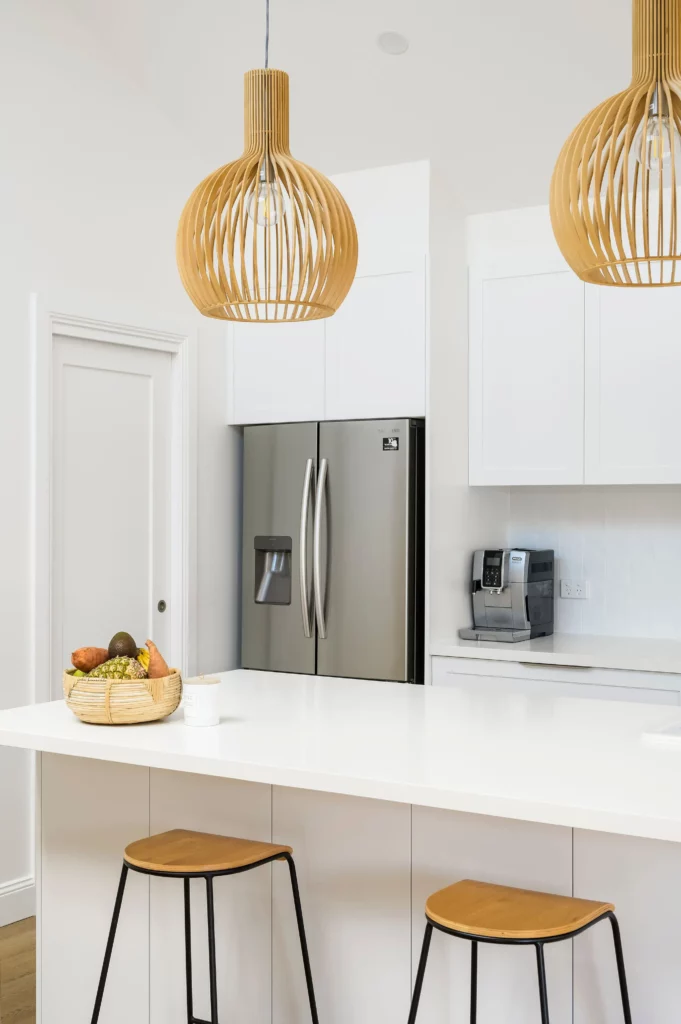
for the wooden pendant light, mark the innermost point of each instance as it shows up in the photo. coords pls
(267, 238)
(614, 201)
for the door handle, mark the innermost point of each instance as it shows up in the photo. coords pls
(320, 504)
(304, 510)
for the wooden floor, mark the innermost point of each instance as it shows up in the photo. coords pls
(17, 973)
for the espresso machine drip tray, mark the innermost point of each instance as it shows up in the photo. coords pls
(506, 636)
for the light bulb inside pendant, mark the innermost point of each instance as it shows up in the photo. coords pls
(267, 204)
(657, 139)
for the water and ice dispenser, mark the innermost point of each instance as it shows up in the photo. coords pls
(272, 570)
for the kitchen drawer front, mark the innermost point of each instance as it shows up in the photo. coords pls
(557, 680)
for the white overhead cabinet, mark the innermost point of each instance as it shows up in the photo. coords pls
(569, 383)
(633, 383)
(369, 359)
(526, 378)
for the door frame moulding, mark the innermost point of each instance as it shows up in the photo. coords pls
(81, 316)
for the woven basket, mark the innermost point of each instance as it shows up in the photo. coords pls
(122, 701)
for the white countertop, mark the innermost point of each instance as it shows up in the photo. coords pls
(641, 654)
(563, 761)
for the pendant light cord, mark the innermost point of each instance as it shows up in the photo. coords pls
(267, 33)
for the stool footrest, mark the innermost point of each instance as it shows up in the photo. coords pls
(197, 1020)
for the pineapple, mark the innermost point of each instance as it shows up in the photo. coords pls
(119, 668)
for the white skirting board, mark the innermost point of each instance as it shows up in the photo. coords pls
(17, 900)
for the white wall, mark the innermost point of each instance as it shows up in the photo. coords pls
(219, 511)
(625, 541)
(461, 518)
(92, 181)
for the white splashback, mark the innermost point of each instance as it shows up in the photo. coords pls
(626, 541)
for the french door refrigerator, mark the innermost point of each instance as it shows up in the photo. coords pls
(333, 548)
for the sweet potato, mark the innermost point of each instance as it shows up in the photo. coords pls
(87, 658)
(158, 667)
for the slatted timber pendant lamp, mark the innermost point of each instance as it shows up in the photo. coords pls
(267, 238)
(614, 192)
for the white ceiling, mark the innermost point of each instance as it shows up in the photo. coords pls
(488, 87)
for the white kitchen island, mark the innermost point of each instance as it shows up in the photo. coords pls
(385, 792)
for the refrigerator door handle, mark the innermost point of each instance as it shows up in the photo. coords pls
(304, 512)
(320, 504)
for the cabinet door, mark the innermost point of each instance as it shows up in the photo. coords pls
(376, 349)
(633, 379)
(505, 678)
(277, 372)
(526, 379)
(391, 230)
(448, 845)
(642, 877)
(502, 687)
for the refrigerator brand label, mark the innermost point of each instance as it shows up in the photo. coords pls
(391, 444)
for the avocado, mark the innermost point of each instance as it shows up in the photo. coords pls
(122, 645)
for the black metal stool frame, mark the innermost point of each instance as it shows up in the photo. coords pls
(541, 968)
(212, 968)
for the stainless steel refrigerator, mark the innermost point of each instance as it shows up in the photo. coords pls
(333, 548)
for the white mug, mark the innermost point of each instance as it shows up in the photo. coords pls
(200, 701)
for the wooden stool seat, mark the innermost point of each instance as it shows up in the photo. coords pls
(480, 909)
(188, 852)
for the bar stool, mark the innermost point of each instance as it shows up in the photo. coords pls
(186, 855)
(481, 912)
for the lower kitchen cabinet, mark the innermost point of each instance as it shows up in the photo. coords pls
(642, 877)
(88, 812)
(505, 678)
(226, 807)
(448, 846)
(365, 869)
(353, 858)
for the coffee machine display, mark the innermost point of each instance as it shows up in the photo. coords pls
(512, 592)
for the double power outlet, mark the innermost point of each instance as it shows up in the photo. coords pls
(578, 589)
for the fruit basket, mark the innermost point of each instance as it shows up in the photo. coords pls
(122, 701)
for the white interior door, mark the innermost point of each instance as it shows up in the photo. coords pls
(111, 496)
